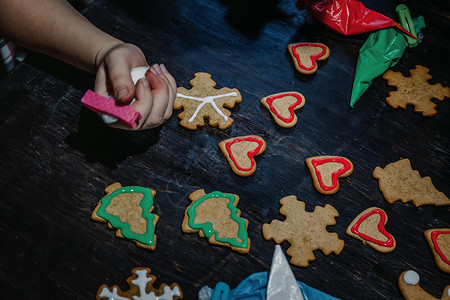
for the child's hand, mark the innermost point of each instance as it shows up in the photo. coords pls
(154, 94)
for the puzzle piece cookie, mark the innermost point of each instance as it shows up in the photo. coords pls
(128, 210)
(398, 181)
(282, 105)
(203, 101)
(216, 217)
(408, 282)
(368, 227)
(240, 152)
(439, 241)
(415, 90)
(305, 231)
(141, 287)
(306, 55)
(326, 170)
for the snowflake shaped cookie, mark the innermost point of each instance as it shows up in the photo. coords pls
(415, 90)
(141, 288)
(305, 231)
(203, 101)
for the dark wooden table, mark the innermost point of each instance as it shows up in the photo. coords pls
(56, 157)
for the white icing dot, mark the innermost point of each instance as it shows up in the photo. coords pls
(411, 277)
(448, 292)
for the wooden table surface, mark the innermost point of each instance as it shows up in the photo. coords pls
(57, 157)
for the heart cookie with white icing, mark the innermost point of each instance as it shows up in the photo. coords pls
(203, 101)
(282, 106)
(240, 153)
(306, 55)
(369, 227)
(326, 170)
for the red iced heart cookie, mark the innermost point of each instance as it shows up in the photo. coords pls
(282, 106)
(439, 241)
(368, 227)
(240, 152)
(306, 55)
(325, 171)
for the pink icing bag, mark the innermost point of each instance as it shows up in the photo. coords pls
(103, 105)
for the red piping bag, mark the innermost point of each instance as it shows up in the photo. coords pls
(348, 16)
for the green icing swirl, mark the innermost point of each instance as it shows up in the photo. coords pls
(146, 203)
(207, 227)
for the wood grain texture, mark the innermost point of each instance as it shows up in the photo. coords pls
(56, 157)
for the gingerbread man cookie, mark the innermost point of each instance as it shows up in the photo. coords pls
(203, 101)
(415, 90)
(305, 231)
(408, 282)
(306, 55)
(141, 287)
(128, 210)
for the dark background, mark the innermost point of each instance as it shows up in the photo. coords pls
(56, 157)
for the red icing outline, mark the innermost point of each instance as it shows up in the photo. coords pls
(388, 243)
(270, 100)
(250, 154)
(335, 175)
(313, 57)
(434, 236)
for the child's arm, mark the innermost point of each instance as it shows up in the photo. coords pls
(55, 28)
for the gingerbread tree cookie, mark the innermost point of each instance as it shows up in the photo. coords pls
(305, 231)
(216, 217)
(128, 210)
(203, 101)
(398, 181)
(141, 287)
(415, 90)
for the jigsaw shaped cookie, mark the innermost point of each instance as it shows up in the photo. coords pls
(408, 282)
(128, 210)
(368, 227)
(240, 152)
(282, 105)
(439, 241)
(203, 101)
(306, 55)
(398, 181)
(216, 217)
(326, 170)
(305, 231)
(415, 90)
(141, 287)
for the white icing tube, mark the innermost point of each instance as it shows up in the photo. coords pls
(136, 74)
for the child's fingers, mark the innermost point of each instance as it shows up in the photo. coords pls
(120, 79)
(160, 98)
(144, 101)
(172, 91)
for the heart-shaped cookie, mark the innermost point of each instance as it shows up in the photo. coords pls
(306, 55)
(282, 106)
(325, 171)
(240, 152)
(368, 227)
(439, 241)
